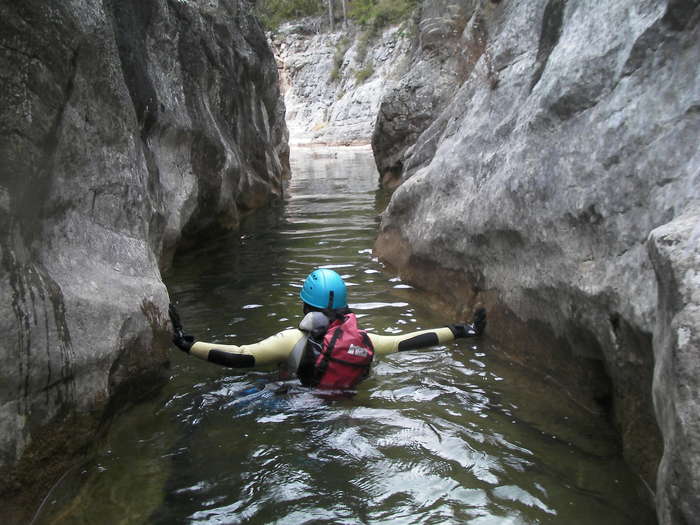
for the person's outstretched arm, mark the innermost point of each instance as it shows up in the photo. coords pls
(388, 344)
(271, 351)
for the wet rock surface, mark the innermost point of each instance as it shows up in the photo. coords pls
(573, 136)
(124, 126)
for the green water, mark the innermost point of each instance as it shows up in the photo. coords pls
(446, 435)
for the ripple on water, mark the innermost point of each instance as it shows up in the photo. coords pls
(449, 435)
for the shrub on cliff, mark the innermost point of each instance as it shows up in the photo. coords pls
(274, 12)
(364, 73)
(340, 49)
(363, 43)
(368, 13)
(380, 13)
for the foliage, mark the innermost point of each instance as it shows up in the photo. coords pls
(364, 73)
(363, 43)
(362, 11)
(340, 49)
(368, 13)
(380, 13)
(274, 12)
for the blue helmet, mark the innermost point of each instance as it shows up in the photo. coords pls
(324, 288)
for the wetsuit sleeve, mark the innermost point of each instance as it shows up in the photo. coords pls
(388, 344)
(271, 351)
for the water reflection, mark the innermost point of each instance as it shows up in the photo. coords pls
(449, 435)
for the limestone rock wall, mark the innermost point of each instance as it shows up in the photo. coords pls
(124, 125)
(674, 249)
(326, 100)
(448, 41)
(572, 137)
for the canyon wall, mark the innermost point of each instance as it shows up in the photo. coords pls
(558, 184)
(124, 126)
(334, 81)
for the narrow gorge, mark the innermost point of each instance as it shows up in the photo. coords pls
(541, 159)
(547, 165)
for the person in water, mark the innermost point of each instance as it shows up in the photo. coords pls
(328, 350)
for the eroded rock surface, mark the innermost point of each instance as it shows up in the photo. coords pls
(675, 251)
(336, 83)
(123, 124)
(448, 43)
(327, 96)
(573, 136)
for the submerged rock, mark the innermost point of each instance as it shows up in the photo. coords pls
(573, 136)
(123, 126)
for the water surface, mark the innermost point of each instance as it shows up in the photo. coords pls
(446, 435)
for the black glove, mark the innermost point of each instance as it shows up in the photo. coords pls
(471, 330)
(182, 340)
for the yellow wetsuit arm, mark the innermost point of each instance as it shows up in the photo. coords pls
(275, 349)
(388, 344)
(271, 351)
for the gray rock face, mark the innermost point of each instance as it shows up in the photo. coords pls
(449, 41)
(674, 249)
(326, 101)
(574, 135)
(123, 125)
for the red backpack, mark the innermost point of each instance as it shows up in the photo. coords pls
(344, 356)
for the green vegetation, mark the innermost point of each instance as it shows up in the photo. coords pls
(363, 43)
(272, 13)
(364, 73)
(380, 13)
(373, 14)
(340, 49)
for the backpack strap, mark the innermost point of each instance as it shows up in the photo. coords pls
(328, 358)
(306, 372)
(322, 366)
(367, 340)
(314, 324)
